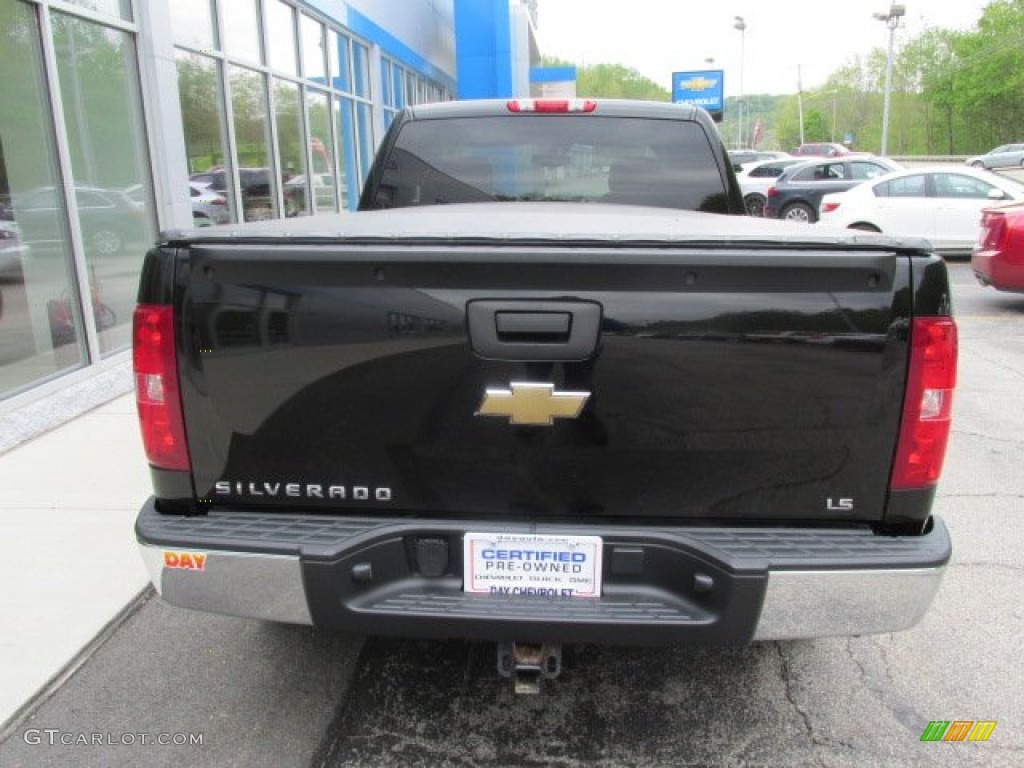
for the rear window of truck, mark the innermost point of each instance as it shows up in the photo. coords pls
(578, 158)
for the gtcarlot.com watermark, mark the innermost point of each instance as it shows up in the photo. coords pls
(56, 737)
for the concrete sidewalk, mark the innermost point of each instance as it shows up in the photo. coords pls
(68, 558)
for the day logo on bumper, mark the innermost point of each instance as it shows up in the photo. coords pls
(184, 561)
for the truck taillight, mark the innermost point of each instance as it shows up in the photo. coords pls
(551, 105)
(156, 387)
(928, 405)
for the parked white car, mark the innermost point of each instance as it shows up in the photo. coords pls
(743, 158)
(756, 178)
(940, 203)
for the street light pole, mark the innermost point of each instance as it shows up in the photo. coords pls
(800, 102)
(832, 137)
(892, 20)
(741, 25)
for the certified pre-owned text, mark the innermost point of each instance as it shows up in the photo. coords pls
(537, 555)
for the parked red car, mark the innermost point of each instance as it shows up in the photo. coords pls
(820, 149)
(998, 256)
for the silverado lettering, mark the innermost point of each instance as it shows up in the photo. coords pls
(713, 428)
(301, 490)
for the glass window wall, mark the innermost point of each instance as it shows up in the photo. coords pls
(364, 131)
(252, 137)
(41, 331)
(398, 87)
(321, 145)
(67, 285)
(242, 30)
(291, 148)
(313, 67)
(346, 126)
(201, 92)
(193, 23)
(322, 107)
(121, 9)
(109, 159)
(361, 70)
(338, 56)
(281, 37)
(385, 83)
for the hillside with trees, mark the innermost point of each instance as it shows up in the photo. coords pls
(953, 93)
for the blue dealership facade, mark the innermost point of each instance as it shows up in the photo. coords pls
(121, 118)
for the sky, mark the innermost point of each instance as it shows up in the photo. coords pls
(783, 38)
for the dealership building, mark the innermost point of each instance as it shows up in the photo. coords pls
(121, 118)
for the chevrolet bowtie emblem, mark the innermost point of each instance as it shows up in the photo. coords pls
(697, 84)
(532, 404)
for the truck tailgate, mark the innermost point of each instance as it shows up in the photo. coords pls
(722, 382)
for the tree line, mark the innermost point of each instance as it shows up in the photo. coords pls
(953, 93)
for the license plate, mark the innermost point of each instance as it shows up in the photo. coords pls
(532, 565)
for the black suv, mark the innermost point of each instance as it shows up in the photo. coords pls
(798, 192)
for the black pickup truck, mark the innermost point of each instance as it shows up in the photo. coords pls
(548, 386)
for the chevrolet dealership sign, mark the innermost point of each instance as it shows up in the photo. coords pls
(703, 89)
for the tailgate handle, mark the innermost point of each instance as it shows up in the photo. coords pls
(544, 327)
(533, 330)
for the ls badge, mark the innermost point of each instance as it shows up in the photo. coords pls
(532, 404)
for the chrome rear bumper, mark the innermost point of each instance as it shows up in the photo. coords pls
(771, 584)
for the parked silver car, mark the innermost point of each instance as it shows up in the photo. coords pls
(208, 207)
(1003, 156)
(12, 251)
(756, 178)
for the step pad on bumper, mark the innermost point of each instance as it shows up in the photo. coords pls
(607, 609)
(326, 537)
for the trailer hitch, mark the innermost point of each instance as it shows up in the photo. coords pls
(529, 663)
